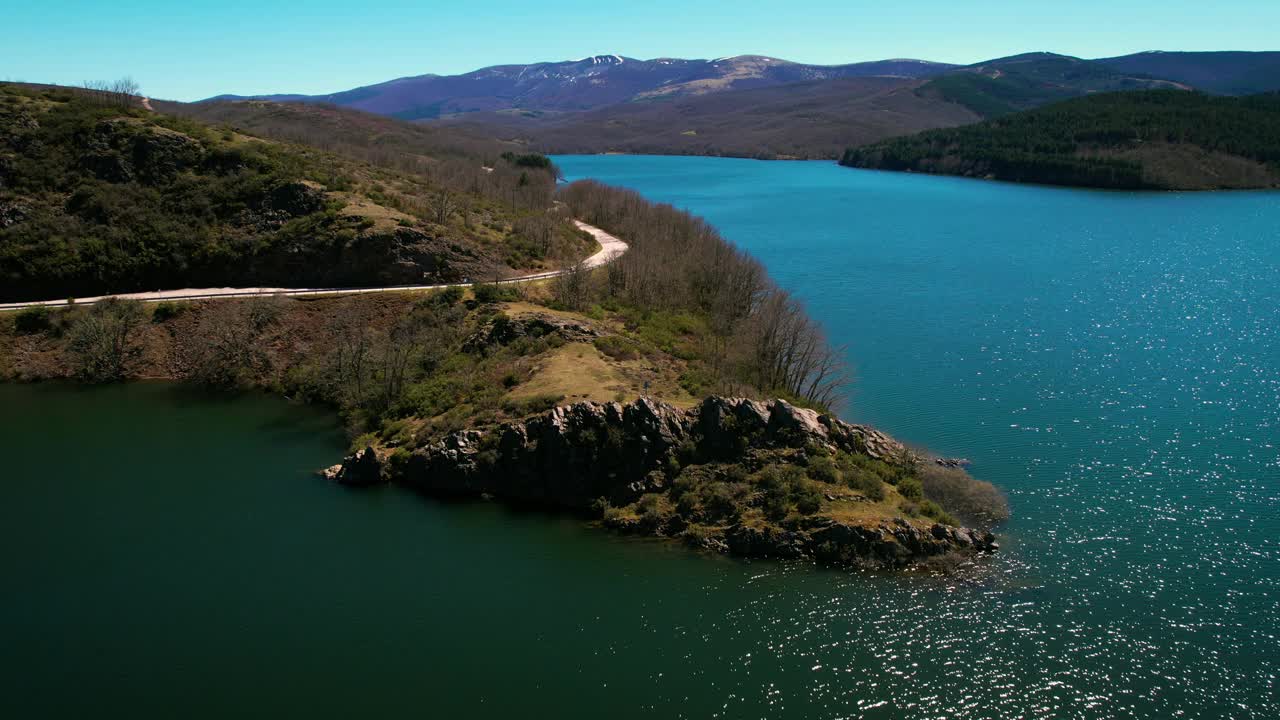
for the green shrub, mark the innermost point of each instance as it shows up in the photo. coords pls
(870, 485)
(697, 380)
(531, 405)
(32, 320)
(448, 297)
(696, 535)
(600, 506)
(165, 311)
(529, 160)
(494, 293)
(807, 498)
(362, 441)
(617, 347)
(650, 503)
(910, 488)
(930, 509)
(823, 469)
(785, 486)
(851, 463)
(398, 461)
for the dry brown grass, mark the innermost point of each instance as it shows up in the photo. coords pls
(577, 372)
(383, 218)
(852, 509)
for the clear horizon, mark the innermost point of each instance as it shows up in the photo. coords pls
(197, 50)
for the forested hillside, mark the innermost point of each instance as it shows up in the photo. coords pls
(101, 195)
(1007, 85)
(1155, 140)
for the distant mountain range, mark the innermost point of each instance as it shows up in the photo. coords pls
(590, 83)
(757, 106)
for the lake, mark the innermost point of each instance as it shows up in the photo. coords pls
(1111, 359)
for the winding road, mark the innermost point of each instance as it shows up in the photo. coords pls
(610, 249)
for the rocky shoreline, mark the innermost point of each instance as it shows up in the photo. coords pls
(588, 456)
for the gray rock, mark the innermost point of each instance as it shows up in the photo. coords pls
(12, 213)
(503, 330)
(787, 420)
(363, 469)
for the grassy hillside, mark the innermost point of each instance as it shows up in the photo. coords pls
(1155, 140)
(802, 120)
(100, 195)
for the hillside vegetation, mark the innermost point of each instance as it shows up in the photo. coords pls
(1147, 140)
(99, 195)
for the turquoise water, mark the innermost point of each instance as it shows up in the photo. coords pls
(1112, 360)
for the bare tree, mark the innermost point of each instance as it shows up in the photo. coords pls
(352, 346)
(573, 287)
(102, 341)
(118, 93)
(226, 349)
(444, 204)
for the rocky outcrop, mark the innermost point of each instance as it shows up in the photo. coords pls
(503, 330)
(408, 255)
(296, 199)
(362, 469)
(573, 456)
(159, 154)
(567, 457)
(12, 213)
(724, 424)
(123, 150)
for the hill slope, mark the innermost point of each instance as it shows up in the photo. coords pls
(801, 120)
(1224, 73)
(999, 87)
(103, 197)
(1158, 140)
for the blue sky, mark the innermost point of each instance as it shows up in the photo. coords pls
(191, 50)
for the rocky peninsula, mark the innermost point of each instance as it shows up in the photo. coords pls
(731, 475)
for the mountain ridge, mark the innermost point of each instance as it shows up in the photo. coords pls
(586, 84)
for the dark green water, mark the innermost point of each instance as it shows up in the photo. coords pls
(1113, 360)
